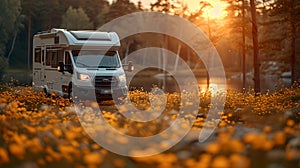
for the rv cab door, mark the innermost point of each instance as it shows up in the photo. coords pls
(42, 73)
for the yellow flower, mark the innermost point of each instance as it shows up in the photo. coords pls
(205, 160)
(70, 135)
(279, 138)
(213, 148)
(35, 145)
(220, 162)
(119, 163)
(55, 155)
(237, 146)
(57, 132)
(267, 129)
(268, 145)
(3, 156)
(239, 161)
(290, 123)
(17, 150)
(93, 158)
(30, 129)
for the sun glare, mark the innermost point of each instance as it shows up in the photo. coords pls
(217, 10)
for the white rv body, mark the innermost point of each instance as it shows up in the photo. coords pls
(86, 60)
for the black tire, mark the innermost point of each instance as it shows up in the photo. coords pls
(46, 93)
(70, 93)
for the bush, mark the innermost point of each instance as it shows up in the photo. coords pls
(3, 65)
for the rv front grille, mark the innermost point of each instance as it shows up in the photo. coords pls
(105, 81)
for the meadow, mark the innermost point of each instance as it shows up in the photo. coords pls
(256, 130)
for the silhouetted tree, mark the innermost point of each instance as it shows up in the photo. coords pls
(94, 9)
(256, 60)
(75, 19)
(10, 12)
(120, 8)
(289, 11)
(173, 7)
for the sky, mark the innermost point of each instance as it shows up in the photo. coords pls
(217, 11)
(191, 3)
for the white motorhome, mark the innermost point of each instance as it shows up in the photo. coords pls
(87, 61)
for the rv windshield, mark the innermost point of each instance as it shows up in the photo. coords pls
(96, 59)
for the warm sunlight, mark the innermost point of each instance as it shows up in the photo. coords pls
(217, 10)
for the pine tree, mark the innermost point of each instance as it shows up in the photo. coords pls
(75, 19)
(289, 10)
(10, 12)
(120, 8)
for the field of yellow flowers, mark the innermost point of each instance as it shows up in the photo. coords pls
(255, 131)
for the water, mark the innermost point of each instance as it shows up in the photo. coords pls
(269, 83)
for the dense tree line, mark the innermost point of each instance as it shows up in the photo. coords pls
(277, 25)
(277, 30)
(21, 19)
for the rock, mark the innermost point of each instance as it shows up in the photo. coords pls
(293, 149)
(295, 143)
(240, 131)
(183, 155)
(293, 114)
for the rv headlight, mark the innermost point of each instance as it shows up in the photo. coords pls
(84, 77)
(122, 79)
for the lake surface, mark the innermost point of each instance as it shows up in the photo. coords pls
(268, 83)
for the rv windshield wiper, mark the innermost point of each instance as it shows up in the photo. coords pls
(107, 66)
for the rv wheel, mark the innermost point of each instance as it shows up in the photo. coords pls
(70, 93)
(46, 93)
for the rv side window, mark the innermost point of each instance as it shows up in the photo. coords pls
(54, 59)
(43, 58)
(57, 56)
(60, 56)
(48, 58)
(37, 55)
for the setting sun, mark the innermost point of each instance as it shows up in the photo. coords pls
(217, 10)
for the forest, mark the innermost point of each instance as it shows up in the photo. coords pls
(277, 28)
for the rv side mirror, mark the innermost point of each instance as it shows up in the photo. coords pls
(128, 67)
(61, 67)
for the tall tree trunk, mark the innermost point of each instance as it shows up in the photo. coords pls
(255, 48)
(243, 44)
(13, 44)
(28, 42)
(293, 42)
(293, 53)
(207, 68)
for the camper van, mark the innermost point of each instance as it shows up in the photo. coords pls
(66, 63)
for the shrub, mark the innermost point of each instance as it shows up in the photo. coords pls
(3, 65)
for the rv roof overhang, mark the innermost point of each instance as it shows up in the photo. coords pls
(93, 47)
(77, 40)
(92, 40)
